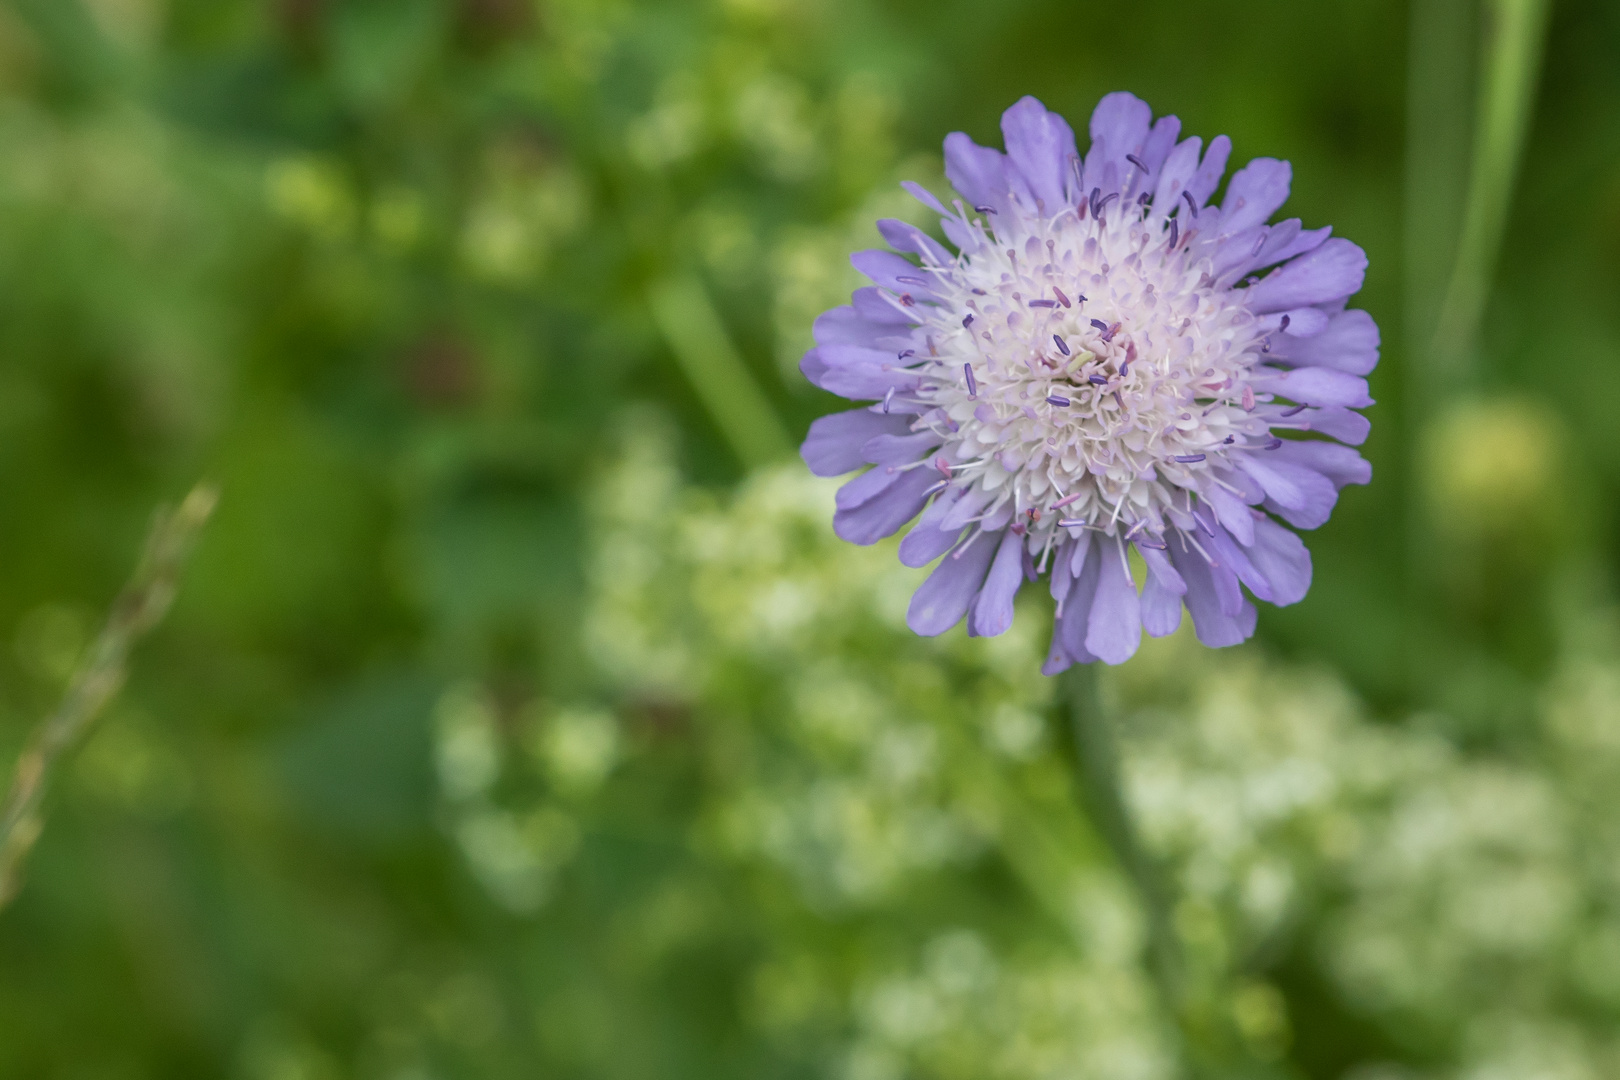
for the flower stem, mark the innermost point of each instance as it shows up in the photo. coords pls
(98, 677)
(1096, 756)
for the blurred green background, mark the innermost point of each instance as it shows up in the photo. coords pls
(520, 716)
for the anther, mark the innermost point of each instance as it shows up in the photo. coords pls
(1296, 410)
(1097, 380)
(1274, 443)
(967, 322)
(1188, 459)
(985, 209)
(907, 301)
(1191, 202)
(888, 399)
(913, 280)
(1173, 234)
(1061, 344)
(1284, 324)
(1071, 523)
(1066, 500)
(908, 352)
(1134, 160)
(1043, 303)
(1057, 399)
(1064, 300)
(972, 383)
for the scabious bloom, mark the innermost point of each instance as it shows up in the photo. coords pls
(1097, 368)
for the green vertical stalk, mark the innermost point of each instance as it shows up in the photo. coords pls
(684, 314)
(1096, 754)
(1514, 31)
(142, 604)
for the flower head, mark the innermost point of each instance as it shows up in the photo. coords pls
(1097, 367)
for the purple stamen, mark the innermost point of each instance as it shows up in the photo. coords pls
(1173, 234)
(985, 209)
(1191, 202)
(888, 399)
(907, 301)
(1096, 193)
(1156, 545)
(1296, 410)
(908, 352)
(1134, 160)
(1284, 324)
(1066, 500)
(967, 322)
(1064, 300)
(1062, 346)
(1043, 303)
(1106, 199)
(1058, 400)
(1188, 459)
(972, 383)
(913, 280)
(1071, 523)
(1097, 380)
(943, 466)
(1099, 324)
(1274, 443)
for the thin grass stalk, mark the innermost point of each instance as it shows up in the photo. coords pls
(98, 677)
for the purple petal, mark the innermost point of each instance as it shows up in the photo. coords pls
(1114, 630)
(833, 446)
(927, 540)
(1076, 619)
(1215, 627)
(1235, 557)
(1040, 145)
(1255, 193)
(890, 449)
(978, 172)
(924, 196)
(1282, 558)
(970, 505)
(1208, 176)
(1348, 343)
(842, 326)
(940, 602)
(1156, 149)
(1161, 595)
(1342, 424)
(993, 611)
(1316, 386)
(1231, 511)
(883, 514)
(886, 269)
(865, 487)
(856, 373)
(1340, 464)
(1291, 486)
(871, 305)
(1178, 171)
(1119, 126)
(904, 236)
(1331, 272)
(1284, 245)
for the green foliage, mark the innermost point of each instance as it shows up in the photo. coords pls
(510, 723)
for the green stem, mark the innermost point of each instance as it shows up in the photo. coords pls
(99, 676)
(1514, 30)
(684, 314)
(1096, 754)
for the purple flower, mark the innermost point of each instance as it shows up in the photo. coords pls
(1096, 368)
